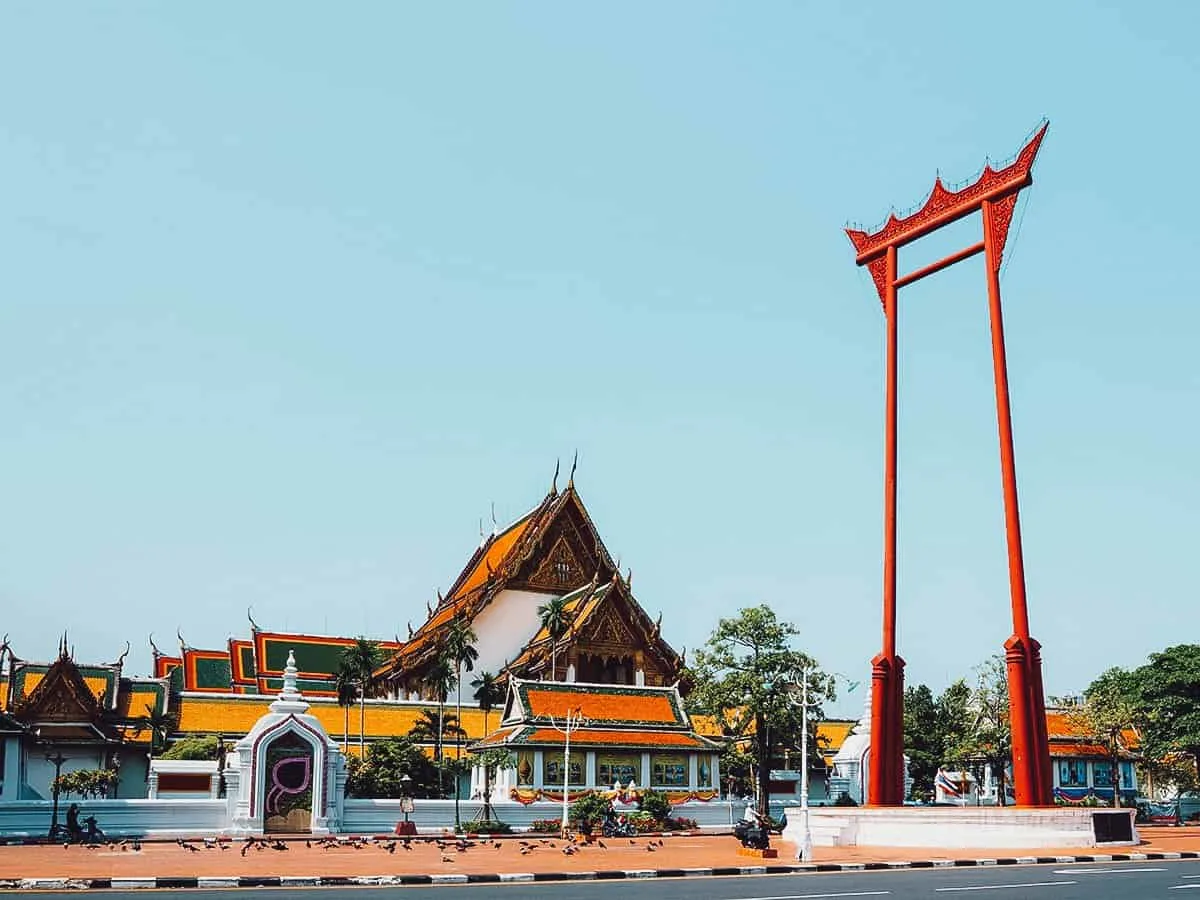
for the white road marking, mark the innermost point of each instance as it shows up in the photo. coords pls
(1184, 887)
(1107, 871)
(1000, 887)
(814, 896)
(1189, 876)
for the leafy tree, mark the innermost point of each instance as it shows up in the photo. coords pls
(922, 740)
(746, 676)
(988, 737)
(204, 747)
(655, 803)
(346, 686)
(590, 810)
(378, 773)
(363, 659)
(1109, 714)
(439, 681)
(556, 619)
(429, 723)
(86, 782)
(1168, 690)
(488, 694)
(160, 726)
(491, 760)
(460, 649)
(953, 719)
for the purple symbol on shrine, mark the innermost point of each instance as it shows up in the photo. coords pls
(295, 769)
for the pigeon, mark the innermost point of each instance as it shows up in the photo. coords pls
(308, 843)
(660, 843)
(651, 847)
(603, 845)
(391, 848)
(447, 859)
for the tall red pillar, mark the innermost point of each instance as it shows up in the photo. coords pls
(994, 194)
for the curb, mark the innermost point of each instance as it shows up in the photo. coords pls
(243, 881)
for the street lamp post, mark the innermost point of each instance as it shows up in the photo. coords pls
(57, 759)
(573, 720)
(804, 851)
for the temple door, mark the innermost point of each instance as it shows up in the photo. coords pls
(288, 797)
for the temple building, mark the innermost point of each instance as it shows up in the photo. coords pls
(552, 551)
(624, 737)
(64, 717)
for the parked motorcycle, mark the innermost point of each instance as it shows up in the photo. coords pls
(753, 834)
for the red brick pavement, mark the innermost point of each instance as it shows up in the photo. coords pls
(162, 859)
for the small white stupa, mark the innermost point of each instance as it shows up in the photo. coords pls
(286, 775)
(852, 764)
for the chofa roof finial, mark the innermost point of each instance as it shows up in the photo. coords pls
(554, 481)
(410, 631)
(121, 659)
(574, 463)
(153, 646)
(183, 645)
(253, 625)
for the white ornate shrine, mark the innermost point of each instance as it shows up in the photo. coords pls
(287, 776)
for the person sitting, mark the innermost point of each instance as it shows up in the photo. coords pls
(94, 834)
(74, 831)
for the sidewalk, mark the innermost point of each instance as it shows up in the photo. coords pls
(426, 861)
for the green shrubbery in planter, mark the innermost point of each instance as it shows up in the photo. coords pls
(487, 826)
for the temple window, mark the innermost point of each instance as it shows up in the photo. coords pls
(668, 770)
(552, 768)
(614, 767)
(1072, 773)
(1102, 773)
(704, 771)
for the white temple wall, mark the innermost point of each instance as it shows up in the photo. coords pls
(504, 626)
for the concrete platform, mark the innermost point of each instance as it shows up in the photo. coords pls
(967, 826)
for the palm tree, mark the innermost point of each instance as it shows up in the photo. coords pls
(460, 649)
(424, 728)
(363, 658)
(488, 694)
(160, 726)
(346, 685)
(439, 680)
(556, 620)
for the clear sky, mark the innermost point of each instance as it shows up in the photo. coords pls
(293, 292)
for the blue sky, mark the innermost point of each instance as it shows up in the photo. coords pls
(292, 293)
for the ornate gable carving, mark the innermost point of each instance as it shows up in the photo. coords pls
(611, 629)
(61, 696)
(559, 569)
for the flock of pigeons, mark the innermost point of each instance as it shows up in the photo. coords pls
(569, 846)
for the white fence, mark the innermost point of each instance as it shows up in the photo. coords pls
(118, 818)
(177, 817)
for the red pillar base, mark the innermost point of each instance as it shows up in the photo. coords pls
(885, 776)
(1032, 778)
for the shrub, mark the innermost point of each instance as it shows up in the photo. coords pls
(87, 782)
(205, 747)
(589, 811)
(655, 803)
(681, 823)
(487, 826)
(546, 826)
(643, 822)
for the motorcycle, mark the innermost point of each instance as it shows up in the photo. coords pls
(614, 827)
(755, 835)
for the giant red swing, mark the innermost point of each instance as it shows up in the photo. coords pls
(994, 194)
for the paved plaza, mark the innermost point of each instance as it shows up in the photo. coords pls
(529, 854)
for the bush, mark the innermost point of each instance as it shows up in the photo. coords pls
(206, 747)
(87, 782)
(643, 822)
(487, 826)
(657, 804)
(546, 826)
(378, 774)
(681, 823)
(589, 811)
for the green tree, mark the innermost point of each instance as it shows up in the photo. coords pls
(363, 659)
(428, 724)
(489, 693)
(439, 681)
(745, 677)
(556, 619)
(346, 686)
(160, 726)
(378, 773)
(1108, 715)
(460, 649)
(922, 741)
(988, 737)
(1168, 692)
(200, 747)
(953, 720)
(491, 760)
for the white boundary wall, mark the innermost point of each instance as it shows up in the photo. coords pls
(118, 818)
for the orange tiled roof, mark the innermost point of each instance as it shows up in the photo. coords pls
(1059, 726)
(616, 738)
(598, 705)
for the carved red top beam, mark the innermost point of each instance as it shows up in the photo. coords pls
(944, 206)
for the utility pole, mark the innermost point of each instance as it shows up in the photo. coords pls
(572, 722)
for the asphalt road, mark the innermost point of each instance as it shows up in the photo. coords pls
(1170, 880)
